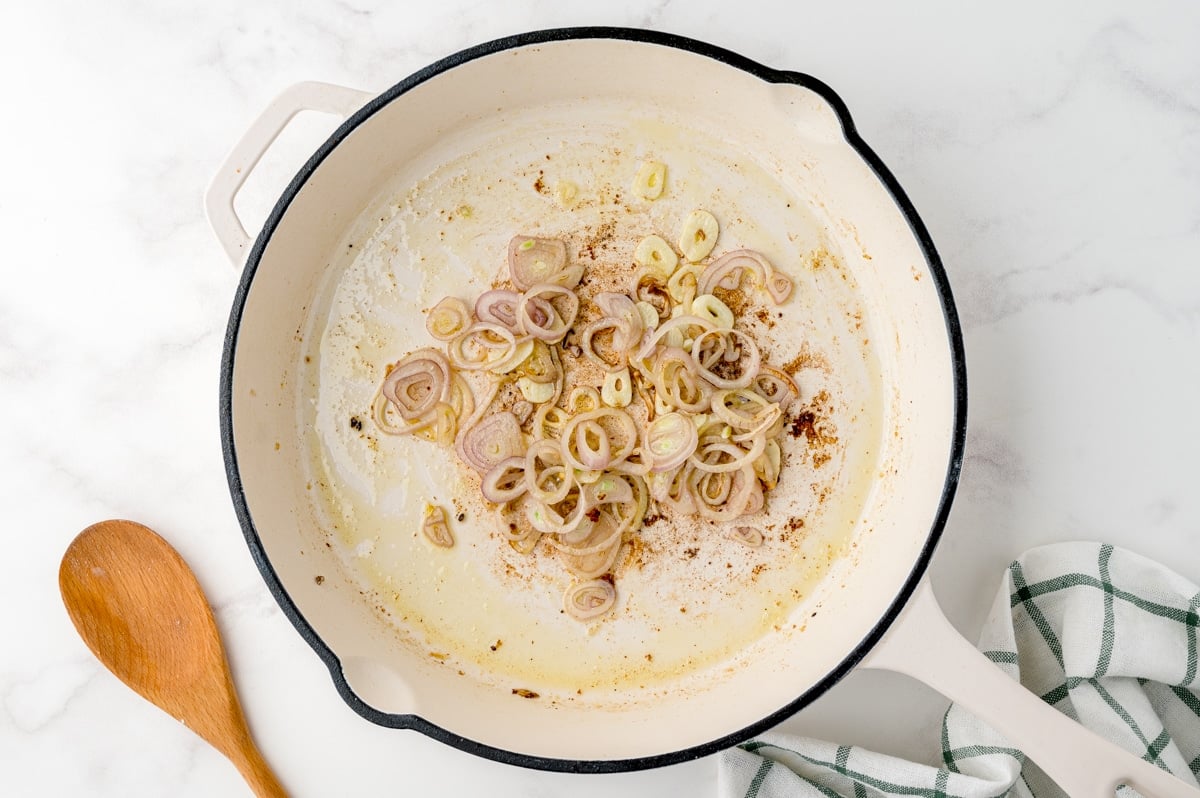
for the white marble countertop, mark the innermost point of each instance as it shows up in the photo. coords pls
(1053, 150)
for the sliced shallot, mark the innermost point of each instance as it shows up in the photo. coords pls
(779, 286)
(415, 384)
(729, 271)
(586, 438)
(448, 318)
(617, 355)
(546, 478)
(688, 418)
(534, 260)
(678, 383)
(504, 481)
(722, 496)
(567, 277)
(670, 440)
(493, 440)
(775, 386)
(747, 536)
(593, 563)
(435, 528)
(498, 307)
(536, 315)
(715, 351)
(683, 326)
(483, 345)
(586, 601)
(621, 307)
(558, 519)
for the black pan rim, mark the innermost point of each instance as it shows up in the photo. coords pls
(954, 337)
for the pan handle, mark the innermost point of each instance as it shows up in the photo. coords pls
(225, 185)
(1081, 762)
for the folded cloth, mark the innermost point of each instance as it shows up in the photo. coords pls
(1102, 634)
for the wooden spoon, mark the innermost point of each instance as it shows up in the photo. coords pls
(141, 611)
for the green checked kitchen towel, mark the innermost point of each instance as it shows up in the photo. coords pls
(1104, 635)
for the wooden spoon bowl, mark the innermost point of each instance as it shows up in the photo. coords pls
(141, 611)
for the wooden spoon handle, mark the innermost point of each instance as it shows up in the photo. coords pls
(257, 773)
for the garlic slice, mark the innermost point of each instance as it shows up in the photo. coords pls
(699, 235)
(520, 353)
(648, 313)
(565, 193)
(535, 392)
(650, 181)
(618, 388)
(709, 308)
(682, 285)
(656, 254)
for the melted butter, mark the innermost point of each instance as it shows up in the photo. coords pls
(688, 596)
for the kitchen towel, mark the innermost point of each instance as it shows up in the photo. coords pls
(1102, 634)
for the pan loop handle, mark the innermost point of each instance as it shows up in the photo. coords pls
(224, 188)
(1080, 761)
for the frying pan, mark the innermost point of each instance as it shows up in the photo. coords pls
(364, 237)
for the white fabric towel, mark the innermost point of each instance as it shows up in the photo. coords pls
(1104, 635)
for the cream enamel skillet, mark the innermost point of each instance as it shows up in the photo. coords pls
(413, 198)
